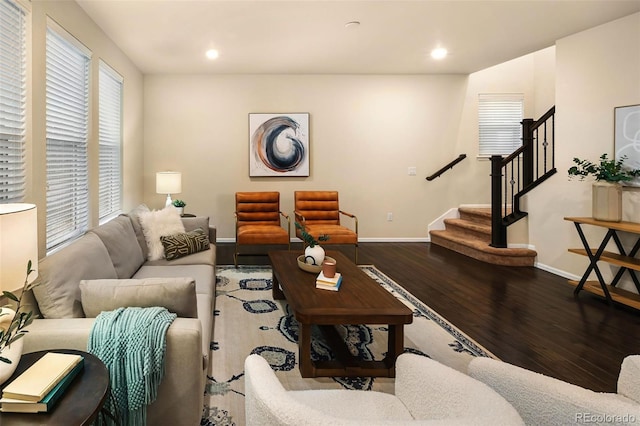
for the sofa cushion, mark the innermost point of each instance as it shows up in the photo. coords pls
(59, 275)
(203, 274)
(178, 295)
(192, 223)
(207, 257)
(119, 238)
(157, 223)
(184, 244)
(205, 290)
(134, 216)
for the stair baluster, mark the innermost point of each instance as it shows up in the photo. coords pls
(522, 172)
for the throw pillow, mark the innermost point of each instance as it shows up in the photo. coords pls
(134, 215)
(156, 224)
(178, 295)
(180, 245)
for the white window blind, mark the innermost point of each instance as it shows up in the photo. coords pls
(110, 135)
(67, 132)
(13, 77)
(499, 118)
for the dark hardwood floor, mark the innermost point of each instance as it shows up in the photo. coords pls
(525, 316)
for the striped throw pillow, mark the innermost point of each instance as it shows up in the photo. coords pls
(183, 244)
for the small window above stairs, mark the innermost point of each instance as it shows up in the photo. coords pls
(471, 235)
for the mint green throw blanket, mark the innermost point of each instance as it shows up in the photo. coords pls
(131, 342)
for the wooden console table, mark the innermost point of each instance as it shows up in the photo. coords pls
(627, 261)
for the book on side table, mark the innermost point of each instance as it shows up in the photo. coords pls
(326, 283)
(42, 384)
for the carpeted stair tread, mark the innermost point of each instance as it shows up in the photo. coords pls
(476, 214)
(481, 250)
(471, 234)
(466, 227)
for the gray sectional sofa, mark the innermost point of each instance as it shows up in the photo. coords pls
(107, 268)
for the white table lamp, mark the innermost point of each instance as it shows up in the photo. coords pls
(18, 244)
(168, 183)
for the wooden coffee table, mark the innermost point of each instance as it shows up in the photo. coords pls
(360, 300)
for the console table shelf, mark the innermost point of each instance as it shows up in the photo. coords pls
(613, 258)
(626, 261)
(617, 294)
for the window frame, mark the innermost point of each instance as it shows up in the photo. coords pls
(500, 118)
(110, 108)
(13, 91)
(67, 136)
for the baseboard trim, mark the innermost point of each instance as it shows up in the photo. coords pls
(395, 240)
(361, 240)
(438, 223)
(538, 265)
(557, 271)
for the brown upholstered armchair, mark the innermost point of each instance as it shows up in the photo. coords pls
(258, 221)
(319, 213)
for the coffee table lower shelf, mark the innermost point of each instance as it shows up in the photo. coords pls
(346, 364)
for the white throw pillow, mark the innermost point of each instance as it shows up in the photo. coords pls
(159, 223)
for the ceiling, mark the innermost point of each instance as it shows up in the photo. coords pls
(310, 37)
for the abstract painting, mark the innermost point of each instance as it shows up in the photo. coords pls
(279, 144)
(627, 137)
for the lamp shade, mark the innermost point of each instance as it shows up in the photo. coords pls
(18, 244)
(168, 182)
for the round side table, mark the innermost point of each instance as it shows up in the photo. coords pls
(81, 402)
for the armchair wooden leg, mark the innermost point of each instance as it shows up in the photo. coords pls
(356, 254)
(235, 256)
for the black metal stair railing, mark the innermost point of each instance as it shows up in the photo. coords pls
(514, 176)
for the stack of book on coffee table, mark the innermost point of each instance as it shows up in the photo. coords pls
(326, 283)
(41, 385)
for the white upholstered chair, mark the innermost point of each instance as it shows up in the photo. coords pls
(425, 391)
(544, 400)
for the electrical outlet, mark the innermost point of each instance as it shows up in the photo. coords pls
(389, 217)
(412, 171)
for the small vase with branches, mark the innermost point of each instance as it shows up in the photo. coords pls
(313, 252)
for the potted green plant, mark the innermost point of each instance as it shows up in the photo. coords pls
(313, 252)
(12, 329)
(180, 205)
(607, 188)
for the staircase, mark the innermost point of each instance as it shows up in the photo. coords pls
(471, 234)
(482, 233)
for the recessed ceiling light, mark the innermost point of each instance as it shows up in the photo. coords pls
(439, 53)
(352, 24)
(212, 54)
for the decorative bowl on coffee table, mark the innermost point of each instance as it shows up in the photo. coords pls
(309, 267)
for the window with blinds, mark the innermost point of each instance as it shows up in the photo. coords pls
(499, 118)
(67, 126)
(13, 76)
(110, 135)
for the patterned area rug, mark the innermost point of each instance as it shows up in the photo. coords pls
(248, 321)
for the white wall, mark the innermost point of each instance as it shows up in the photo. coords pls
(365, 131)
(597, 70)
(73, 19)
